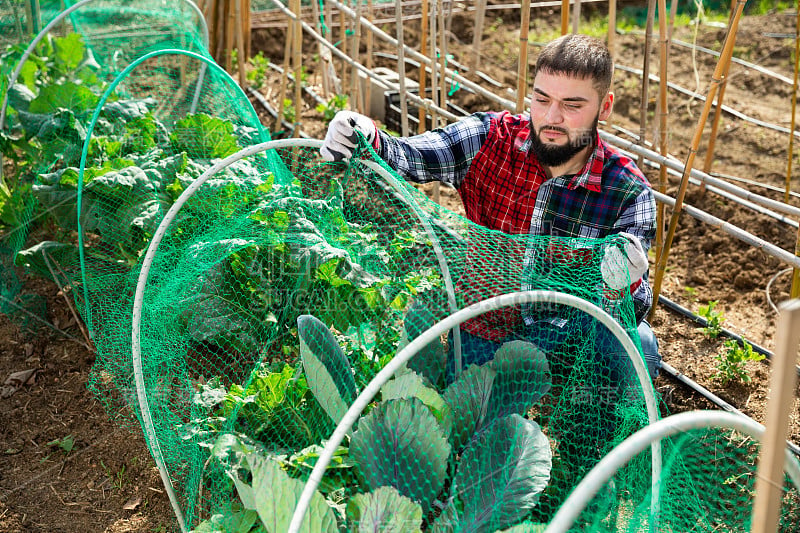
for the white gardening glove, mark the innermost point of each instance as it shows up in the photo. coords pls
(341, 139)
(624, 262)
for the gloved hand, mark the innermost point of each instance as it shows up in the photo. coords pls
(341, 138)
(623, 259)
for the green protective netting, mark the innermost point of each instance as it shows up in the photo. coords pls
(271, 304)
(708, 482)
(86, 105)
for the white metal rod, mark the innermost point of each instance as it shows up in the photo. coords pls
(441, 327)
(598, 476)
(437, 248)
(144, 273)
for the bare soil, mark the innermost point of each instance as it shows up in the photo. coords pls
(68, 465)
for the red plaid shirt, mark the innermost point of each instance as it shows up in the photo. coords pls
(503, 187)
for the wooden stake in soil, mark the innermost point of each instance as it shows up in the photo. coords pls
(576, 15)
(287, 55)
(648, 39)
(663, 61)
(712, 140)
(564, 17)
(612, 26)
(423, 70)
(298, 68)
(522, 66)
(370, 45)
(794, 105)
(355, 43)
(324, 55)
(241, 55)
(725, 57)
(477, 34)
(401, 69)
(769, 482)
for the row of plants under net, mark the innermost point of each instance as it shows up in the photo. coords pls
(243, 297)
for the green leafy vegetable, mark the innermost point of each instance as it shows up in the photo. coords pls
(502, 474)
(326, 367)
(384, 509)
(203, 136)
(400, 444)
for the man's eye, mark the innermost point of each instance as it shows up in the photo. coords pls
(541, 100)
(572, 106)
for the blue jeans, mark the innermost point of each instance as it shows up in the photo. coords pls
(548, 337)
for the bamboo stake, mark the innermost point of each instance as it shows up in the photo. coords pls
(369, 65)
(342, 41)
(612, 25)
(298, 69)
(522, 66)
(769, 481)
(248, 25)
(230, 19)
(401, 69)
(443, 32)
(355, 43)
(477, 34)
(423, 70)
(712, 140)
(434, 64)
(648, 38)
(576, 15)
(287, 55)
(663, 61)
(725, 56)
(564, 17)
(219, 5)
(242, 52)
(795, 291)
(794, 105)
(326, 86)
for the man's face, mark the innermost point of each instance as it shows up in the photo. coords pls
(564, 116)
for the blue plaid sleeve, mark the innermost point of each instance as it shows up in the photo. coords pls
(443, 154)
(638, 219)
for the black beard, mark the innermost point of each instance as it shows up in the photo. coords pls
(556, 155)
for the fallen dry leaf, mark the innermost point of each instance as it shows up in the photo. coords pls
(133, 503)
(17, 380)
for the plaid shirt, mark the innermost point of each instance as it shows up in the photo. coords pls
(486, 156)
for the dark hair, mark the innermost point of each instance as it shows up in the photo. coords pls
(578, 56)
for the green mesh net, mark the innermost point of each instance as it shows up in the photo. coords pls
(284, 304)
(271, 304)
(97, 96)
(707, 484)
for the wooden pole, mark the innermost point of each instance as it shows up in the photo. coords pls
(298, 68)
(795, 291)
(648, 39)
(248, 35)
(725, 56)
(576, 15)
(564, 17)
(342, 41)
(241, 50)
(663, 61)
(522, 66)
(370, 47)
(794, 106)
(423, 70)
(712, 140)
(612, 26)
(324, 55)
(477, 34)
(442, 28)
(287, 55)
(230, 21)
(769, 481)
(401, 68)
(355, 44)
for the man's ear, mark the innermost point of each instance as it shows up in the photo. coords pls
(606, 105)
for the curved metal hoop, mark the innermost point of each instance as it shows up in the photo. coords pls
(636, 443)
(441, 327)
(61, 16)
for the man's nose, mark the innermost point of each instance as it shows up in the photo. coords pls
(553, 114)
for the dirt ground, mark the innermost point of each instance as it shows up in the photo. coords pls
(68, 465)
